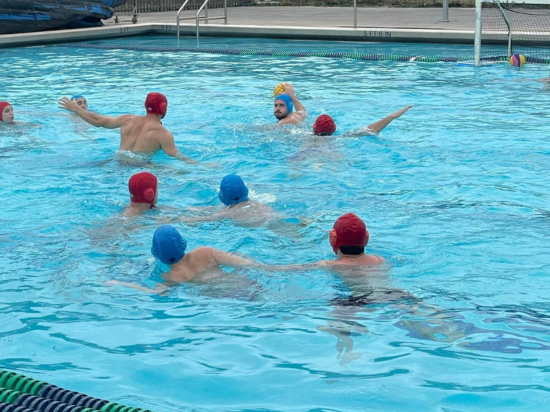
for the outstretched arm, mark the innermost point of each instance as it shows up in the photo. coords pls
(380, 125)
(94, 119)
(231, 260)
(159, 288)
(168, 145)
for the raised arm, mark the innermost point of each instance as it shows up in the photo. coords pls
(300, 112)
(92, 118)
(380, 125)
(168, 145)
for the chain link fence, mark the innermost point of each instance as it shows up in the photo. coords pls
(148, 6)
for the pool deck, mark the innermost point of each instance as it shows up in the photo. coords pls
(317, 23)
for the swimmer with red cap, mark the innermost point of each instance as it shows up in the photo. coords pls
(199, 265)
(6, 113)
(325, 125)
(143, 193)
(284, 107)
(138, 134)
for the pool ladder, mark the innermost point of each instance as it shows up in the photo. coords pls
(198, 18)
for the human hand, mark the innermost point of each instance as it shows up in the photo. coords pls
(400, 112)
(68, 104)
(289, 89)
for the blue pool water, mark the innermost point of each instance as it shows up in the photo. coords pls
(455, 195)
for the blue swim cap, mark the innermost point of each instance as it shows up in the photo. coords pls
(233, 190)
(168, 245)
(288, 101)
(78, 96)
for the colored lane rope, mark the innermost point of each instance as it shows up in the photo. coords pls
(19, 393)
(339, 55)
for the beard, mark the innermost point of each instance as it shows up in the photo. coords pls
(280, 116)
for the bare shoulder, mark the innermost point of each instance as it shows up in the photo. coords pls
(203, 251)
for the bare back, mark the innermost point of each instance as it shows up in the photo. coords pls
(142, 134)
(198, 265)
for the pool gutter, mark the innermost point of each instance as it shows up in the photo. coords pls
(222, 30)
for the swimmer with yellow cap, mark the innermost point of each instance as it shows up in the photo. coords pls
(284, 106)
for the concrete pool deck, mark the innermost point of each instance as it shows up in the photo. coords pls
(317, 23)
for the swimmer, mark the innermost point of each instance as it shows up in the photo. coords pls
(143, 193)
(325, 126)
(238, 207)
(6, 112)
(197, 266)
(284, 106)
(81, 101)
(138, 134)
(348, 238)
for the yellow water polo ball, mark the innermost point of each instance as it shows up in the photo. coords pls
(279, 89)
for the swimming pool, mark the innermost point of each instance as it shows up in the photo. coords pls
(455, 195)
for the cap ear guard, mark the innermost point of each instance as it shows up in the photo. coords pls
(149, 194)
(183, 242)
(230, 202)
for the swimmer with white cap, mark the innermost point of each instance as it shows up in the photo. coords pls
(138, 134)
(284, 107)
(199, 265)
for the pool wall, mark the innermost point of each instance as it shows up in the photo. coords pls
(222, 30)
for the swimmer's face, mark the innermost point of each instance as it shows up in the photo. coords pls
(280, 110)
(81, 101)
(7, 114)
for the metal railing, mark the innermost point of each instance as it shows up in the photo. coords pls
(198, 17)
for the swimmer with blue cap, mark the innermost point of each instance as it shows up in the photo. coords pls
(80, 101)
(239, 208)
(199, 265)
(284, 107)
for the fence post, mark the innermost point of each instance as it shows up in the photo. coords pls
(446, 11)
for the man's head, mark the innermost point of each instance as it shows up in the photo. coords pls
(168, 245)
(283, 106)
(349, 235)
(232, 190)
(157, 104)
(81, 101)
(6, 112)
(143, 188)
(324, 125)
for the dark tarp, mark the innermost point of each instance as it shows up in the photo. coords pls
(21, 16)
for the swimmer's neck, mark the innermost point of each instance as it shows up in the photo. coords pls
(240, 203)
(136, 208)
(341, 256)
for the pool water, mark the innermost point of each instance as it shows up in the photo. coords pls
(455, 195)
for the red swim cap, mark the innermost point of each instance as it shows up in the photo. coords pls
(324, 125)
(143, 187)
(349, 230)
(156, 103)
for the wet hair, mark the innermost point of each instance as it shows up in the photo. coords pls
(352, 250)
